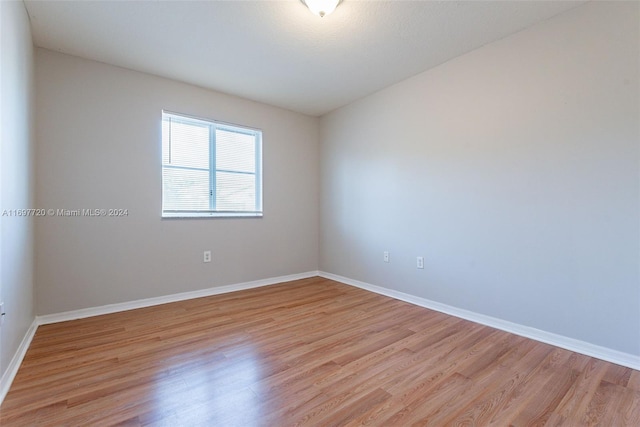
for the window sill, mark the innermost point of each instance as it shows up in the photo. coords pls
(170, 215)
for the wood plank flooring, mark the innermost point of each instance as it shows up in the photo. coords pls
(310, 352)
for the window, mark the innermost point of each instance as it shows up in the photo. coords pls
(210, 169)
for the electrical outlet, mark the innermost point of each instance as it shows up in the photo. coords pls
(207, 256)
(420, 262)
(385, 256)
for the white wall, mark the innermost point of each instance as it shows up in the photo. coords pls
(16, 177)
(513, 169)
(98, 146)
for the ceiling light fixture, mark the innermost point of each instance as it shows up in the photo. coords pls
(321, 7)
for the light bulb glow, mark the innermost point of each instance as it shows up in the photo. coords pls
(321, 7)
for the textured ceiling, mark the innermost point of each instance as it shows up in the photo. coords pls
(277, 52)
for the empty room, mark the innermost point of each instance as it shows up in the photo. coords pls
(320, 213)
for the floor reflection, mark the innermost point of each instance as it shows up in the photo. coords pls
(209, 390)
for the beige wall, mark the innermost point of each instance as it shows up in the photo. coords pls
(514, 170)
(16, 177)
(98, 133)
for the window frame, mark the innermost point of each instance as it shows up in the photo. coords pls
(213, 169)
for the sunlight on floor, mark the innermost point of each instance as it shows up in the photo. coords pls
(209, 390)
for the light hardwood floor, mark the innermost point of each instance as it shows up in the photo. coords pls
(310, 352)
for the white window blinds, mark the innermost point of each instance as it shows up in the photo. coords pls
(209, 168)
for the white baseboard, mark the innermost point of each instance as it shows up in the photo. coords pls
(582, 347)
(148, 302)
(14, 365)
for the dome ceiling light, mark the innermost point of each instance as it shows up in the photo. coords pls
(321, 7)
